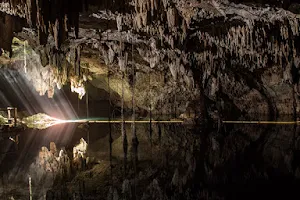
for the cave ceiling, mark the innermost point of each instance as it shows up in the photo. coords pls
(188, 46)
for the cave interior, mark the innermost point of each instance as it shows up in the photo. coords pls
(149, 99)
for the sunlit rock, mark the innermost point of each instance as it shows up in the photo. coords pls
(3, 120)
(47, 161)
(78, 87)
(80, 150)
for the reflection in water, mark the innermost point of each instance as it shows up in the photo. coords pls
(161, 161)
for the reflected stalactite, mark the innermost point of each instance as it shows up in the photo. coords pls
(123, 67)
(135, 156)
(159, 132)
(125, 148)
(160, 142)
(150, 115)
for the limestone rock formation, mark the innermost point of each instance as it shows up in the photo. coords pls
(209, 51)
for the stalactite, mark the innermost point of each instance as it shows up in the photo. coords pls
(138, 21)
(152, 7)
(173, 70)
(251, 44)
(25, 59)
(182, 69)
(165, 3)
(56, 34)
(244, 41)
(29, 11)
(191, 82)
(153, 61)
(119, 22)
(171, 41)
(184, 31)
(171, 17)
(214, 86)
(123, 62)
(77, 61)
(37, 13)
(111, 55)
(7, 27)
(144, 18)
(294, 24)
(105, 56)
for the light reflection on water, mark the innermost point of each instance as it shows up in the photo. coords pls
(237, 159)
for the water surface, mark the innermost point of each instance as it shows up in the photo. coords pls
(171, 161)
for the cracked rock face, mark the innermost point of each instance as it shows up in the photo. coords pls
(172, 53)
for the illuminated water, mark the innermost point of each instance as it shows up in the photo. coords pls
(239, 162)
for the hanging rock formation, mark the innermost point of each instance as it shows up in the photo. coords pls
(246, 55)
